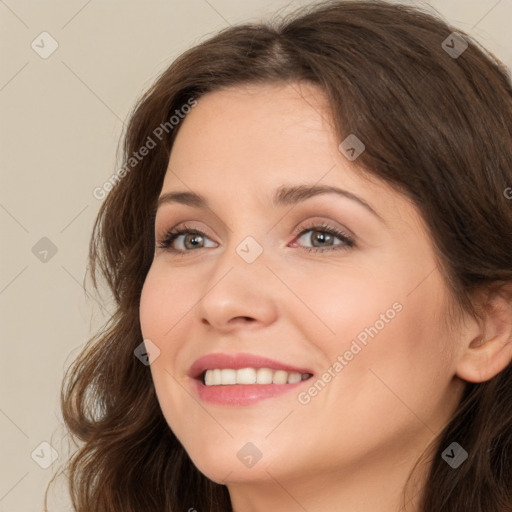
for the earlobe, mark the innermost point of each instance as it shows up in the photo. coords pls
(490, 352)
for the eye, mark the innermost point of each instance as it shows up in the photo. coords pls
(195, 239)
(324, 235)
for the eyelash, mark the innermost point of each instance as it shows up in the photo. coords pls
(171, 235)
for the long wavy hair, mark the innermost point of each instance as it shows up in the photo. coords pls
(437, 128)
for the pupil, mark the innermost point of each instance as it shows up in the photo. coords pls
(194, 239)
(320, 235)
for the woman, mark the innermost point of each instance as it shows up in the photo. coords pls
(309, 247)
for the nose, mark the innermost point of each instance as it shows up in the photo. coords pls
(239, 294)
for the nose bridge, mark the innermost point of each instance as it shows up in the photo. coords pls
(238, 284)
(246, 245)
(242, 265)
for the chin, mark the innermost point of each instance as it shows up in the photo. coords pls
(224, 467)
(232, 459)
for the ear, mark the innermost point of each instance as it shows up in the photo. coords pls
(487, 349)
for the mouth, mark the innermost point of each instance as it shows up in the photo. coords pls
(243, 379)
(248, 376)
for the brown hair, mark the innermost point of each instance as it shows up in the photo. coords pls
(437, 127)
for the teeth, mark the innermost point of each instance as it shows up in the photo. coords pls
(245, 376)
(294, 377)
(280, 377)
(264, 376)
(229, 376)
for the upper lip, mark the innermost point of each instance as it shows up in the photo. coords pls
(237, 361)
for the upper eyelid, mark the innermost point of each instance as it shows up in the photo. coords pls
(316, 224)
(312, 220)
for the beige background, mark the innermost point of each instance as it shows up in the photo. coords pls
(61, 118)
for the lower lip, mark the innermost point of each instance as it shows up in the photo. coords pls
(241, 394)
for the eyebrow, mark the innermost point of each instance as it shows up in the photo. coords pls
(284, 196)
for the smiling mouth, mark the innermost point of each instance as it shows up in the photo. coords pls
(249, 376)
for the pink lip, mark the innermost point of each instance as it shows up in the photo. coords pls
(238, 395)
(237, 361)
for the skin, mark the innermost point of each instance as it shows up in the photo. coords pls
(353, 445)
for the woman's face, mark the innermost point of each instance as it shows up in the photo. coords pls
(365, 314)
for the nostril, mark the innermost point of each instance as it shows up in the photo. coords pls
(242, 319)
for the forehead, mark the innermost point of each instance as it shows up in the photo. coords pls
(251, 132)
(248, 141)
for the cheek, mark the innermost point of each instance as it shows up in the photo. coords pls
(375, 321)
(165, 298)
(163, 303)
(337, 305)
(406, 362)
(150, 307)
